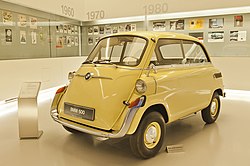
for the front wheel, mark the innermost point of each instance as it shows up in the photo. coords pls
(149, 136)
(211, 113)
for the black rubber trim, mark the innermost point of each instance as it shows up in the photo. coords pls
(217, 75)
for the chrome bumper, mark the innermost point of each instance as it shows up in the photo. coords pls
(124, 129)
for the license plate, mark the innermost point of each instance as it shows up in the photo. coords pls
(79, 111)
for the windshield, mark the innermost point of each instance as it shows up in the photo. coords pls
(118, 50)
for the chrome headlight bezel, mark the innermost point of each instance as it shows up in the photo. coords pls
(140, 86)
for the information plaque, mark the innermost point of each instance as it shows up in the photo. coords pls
(28, 111)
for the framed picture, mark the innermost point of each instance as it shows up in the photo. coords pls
(33, 22)
(22, 21)
(8, 35)
(195, 24)
(238, 36)
(238, 21)
(216, 36)
(216, 23)
(198, 35)
(7, 18)
(177, 24)
(159, 26)
(23, 39)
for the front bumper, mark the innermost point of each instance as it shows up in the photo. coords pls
(118, 134)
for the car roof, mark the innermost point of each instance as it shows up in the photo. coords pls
(158, 35)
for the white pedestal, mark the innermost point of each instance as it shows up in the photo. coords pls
(28, 111)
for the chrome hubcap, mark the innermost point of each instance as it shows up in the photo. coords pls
(152, 135)
(214, 107)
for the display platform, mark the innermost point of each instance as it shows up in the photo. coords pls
(225, 143)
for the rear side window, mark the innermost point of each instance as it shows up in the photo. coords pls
(170, 49)
(193, 53)
(177, 51)
(169, 52)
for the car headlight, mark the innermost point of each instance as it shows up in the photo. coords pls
(140, 86)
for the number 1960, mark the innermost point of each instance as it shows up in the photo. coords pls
(68, 11)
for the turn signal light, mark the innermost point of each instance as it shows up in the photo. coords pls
(139, 102)
(60, 90)
(134, 103)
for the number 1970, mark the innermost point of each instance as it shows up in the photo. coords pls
(94, 15)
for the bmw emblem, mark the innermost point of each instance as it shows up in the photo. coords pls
(88, 76)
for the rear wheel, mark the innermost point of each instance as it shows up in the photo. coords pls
(149, 136)
(211, 113)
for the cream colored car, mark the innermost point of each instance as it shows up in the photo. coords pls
(136, 82)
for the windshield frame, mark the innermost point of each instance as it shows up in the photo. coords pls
(122, 35)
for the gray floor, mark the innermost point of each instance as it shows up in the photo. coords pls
(224, 143)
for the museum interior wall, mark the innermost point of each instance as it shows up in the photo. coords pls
(33, 44)
(45, 44)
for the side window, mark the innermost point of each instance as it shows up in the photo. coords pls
(193, 53)
(169, 52)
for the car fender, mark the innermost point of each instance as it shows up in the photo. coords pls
(150, 101)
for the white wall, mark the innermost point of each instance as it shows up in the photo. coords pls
(235, 71)
(54, 6)
(51, 72)
(125, 8)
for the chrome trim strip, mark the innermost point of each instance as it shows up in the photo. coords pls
(124, 129)
(80, 75)
(113, 66)
(180, 65)
(101, 77)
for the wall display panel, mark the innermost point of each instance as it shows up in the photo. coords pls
(66, 40)
(91, 34)
(27, 33)
(20, 39)
(226, 35)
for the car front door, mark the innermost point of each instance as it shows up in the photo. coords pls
(179, 83)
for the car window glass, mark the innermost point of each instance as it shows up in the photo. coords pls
(116, 53)
(170, 52)
(133, 52)
(193, 53)
(119, 50)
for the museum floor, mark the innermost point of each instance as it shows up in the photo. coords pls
(224, 143)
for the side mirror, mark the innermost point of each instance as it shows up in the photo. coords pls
(151, 67)
(71, 75)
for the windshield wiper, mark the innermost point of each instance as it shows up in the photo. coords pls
(88, 62)
(105, 61)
